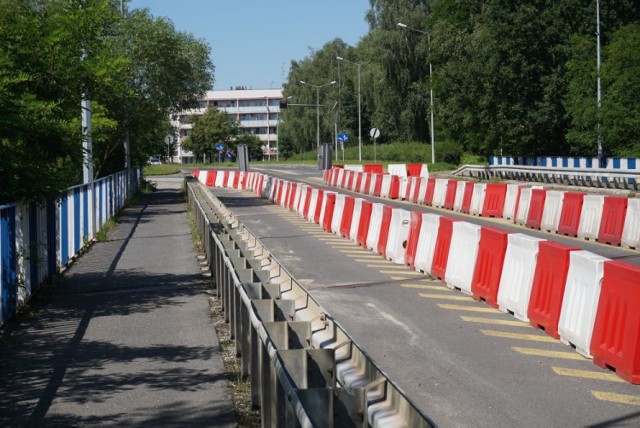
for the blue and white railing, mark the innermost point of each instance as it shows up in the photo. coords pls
(37, 239)
(614, 164)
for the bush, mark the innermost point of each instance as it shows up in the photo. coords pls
(449, 152)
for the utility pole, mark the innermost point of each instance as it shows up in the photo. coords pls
(599, 93)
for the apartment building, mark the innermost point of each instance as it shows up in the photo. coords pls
(256, 110)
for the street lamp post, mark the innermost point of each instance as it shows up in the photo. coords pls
(317, 106)
(339, 58)
(433, 150)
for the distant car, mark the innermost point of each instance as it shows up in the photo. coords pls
(154, 161)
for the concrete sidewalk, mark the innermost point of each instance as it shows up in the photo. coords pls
(125, 339)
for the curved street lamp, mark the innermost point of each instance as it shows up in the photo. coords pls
(433, 150)
(339, 58)
(302, 82)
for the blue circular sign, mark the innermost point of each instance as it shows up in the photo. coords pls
(219, 147)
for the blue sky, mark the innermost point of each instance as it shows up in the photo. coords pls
(252, 41)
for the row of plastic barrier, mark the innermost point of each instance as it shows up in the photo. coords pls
(39, 238)
(607, 219)
(303, 368)
(627, 164)
(594, 304)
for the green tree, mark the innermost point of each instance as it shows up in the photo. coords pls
(212, 128)
(253, 143)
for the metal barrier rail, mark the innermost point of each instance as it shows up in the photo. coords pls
(303, 367)
(596, 177)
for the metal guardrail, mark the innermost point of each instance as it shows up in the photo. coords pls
(595, 177)
(303, 367)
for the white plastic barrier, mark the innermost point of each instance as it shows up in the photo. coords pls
(354, 182)
(631, 229)
(398, 235)
(313, 204)
(401, 171)
(510, 202)
(523, 206)
(517, 274)
(477, 198)
(465, 241)
(427, 242)
(423, 190)
(424, 171)
(375, 222)
(296, 200)
(338, 210)
(273, 191)
(552, 210)
(355, 220)
(219, 179)
(302, 200)
(354, 167)
(372, 184)
(363, 189)
(202, 176)
(282, 196)
(386, 186)
(323, 209)
(232, 179)
(590, 217)
(580, 303)
(439, 192)
(457, 202)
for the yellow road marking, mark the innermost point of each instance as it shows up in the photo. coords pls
(424, 287)
(400, 278)
(468, 308)
(549, 354)
(445, 296)
(494, 321)
(355, 251)
(587, 374)
(518, 336)
(380, 265)
(634, 400)
(366, 259)
(403, 272)
(343, 244)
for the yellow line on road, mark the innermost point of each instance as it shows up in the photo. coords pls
(424, 287)
(587, 374)
(549, 354)
(482, 309)
(355, 251)
(381, 265)
(344, 244)
(403, 272)
(445, 296)
(495, 321)
(365, 258)
(634, 400)
(518, 336)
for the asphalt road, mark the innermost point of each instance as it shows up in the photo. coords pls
(462, 362)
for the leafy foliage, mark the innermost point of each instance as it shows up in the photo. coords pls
(212, 128)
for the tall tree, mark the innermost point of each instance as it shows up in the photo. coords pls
(210, 129)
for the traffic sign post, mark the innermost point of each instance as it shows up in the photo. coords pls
(374, 133)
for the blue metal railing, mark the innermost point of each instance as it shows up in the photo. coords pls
(37, 239)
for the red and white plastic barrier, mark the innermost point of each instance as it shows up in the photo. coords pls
(427, 242)
(463, 252)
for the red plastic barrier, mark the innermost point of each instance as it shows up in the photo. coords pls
(416, 191)
(466, 197)
(489, 262)
(345, 176)
(316, 214)
(428, 196)
(549, 282)
(307, 202)
(409, 188)
(196, 173)
(414, 169)
(350, 179)
(441, 252)
(494, 200)
(236, 179)
(292, 195)
(260, 185)
(385, 225)
(374, 168)
(415, 224)
(363, 225)
(570, 214)
(358, 182)
(515, 210)
(225, 179)
(536, 207)
(367, 182)
(278, 195)
(615, 342)
(450, 197)
(245, 180)
(328, 211)
(612, 221)
(378, 186)
(347, 216)
(394, 189)
(211, 178)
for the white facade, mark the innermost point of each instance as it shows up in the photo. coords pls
(256, 110)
